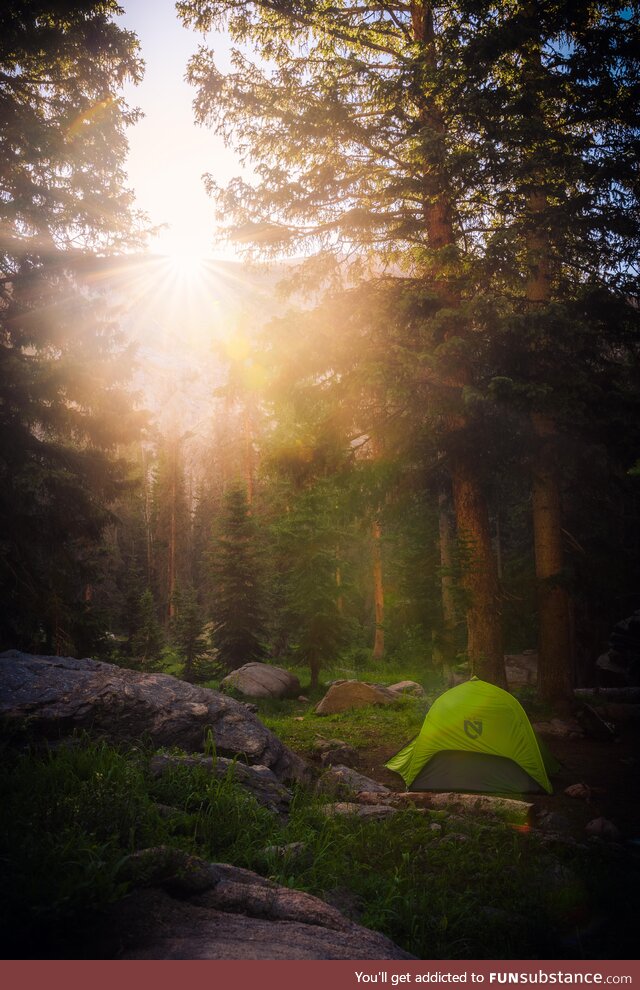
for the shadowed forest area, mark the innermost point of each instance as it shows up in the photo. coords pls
(394, 434)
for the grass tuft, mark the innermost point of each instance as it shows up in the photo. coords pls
(439, 885)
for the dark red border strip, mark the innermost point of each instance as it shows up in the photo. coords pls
(320, 975)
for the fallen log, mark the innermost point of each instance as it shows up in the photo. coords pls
(630, 695)
(506, 809)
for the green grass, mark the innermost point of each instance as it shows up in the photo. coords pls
(363, 728)
(70, 818)
(297, 725)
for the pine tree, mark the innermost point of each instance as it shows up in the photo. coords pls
(171, 525)
(188, 629)
(486, 155)
(306, 539)
(147, 640)
(356, 138)
(238, 616)
(63, 407)
(559, 111)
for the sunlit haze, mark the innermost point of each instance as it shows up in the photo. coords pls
(168, 152)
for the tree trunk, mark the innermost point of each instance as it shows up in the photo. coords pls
(554, 627)
(171, 578)
(480, 580)
(248, 451)
(340, 598)
(378, 592)
(479, 577)
(444, 646)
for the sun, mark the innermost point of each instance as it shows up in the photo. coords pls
(185, 261)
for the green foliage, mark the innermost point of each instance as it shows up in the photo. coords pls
(308, 537)
(188, 630)
(169, 523)
(68, 819)
(148, 640)
(371, 728)
(238, 616)
(220, 820)
(441, 887)
(63, 366)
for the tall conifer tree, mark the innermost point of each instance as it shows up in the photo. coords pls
(356, 139)
(238, 610)
(63, 408)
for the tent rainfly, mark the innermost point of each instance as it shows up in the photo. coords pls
(476, 737)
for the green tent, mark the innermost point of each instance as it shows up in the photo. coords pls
(476, 737)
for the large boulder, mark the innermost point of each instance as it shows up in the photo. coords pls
(191, 909)
(345, 695)
(51, 697)
(261, 680)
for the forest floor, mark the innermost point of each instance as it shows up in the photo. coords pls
(439, 884)
(608, 768)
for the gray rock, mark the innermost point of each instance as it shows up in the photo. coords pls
(407, 687)
(342, 756)
(261, 680)
(51, 697)
(364, 811)
(346, 695)
(579, 791)
(563, 728)
(334, 751)
(521, 668)
(259, 780)
(553, 821)
(344, 778)
(602, 828)
(230, 913)
(292, 850)
(173, 869)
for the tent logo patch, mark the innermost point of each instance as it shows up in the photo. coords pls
(473, 728)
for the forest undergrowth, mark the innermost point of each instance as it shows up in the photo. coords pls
(440, 886)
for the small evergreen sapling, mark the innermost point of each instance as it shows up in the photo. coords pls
(238, 616)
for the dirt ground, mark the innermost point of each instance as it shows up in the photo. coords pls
(610, 768)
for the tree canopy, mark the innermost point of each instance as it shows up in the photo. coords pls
(64, 410)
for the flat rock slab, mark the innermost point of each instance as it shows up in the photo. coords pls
(51, 697)
(568, 728)
(507, 809)
(344, 777)
(373, 812)
(160, 927)
(260, 781)
(346, 695)
(407, 687)
(261, 680)
(226, 912)
(482, 805)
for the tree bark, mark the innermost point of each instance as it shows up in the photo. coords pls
(171, 579)
(444, 646)
(554, 626)
(479, 577)
(378, 592)
(480, 580)
(554, 612)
